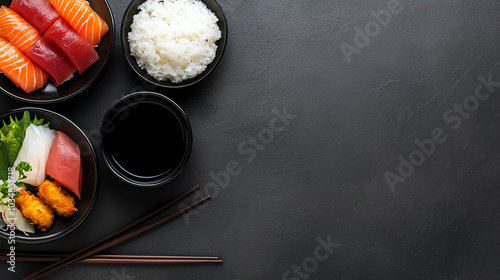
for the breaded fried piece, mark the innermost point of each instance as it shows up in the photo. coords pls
(34, 210)
(56, 197)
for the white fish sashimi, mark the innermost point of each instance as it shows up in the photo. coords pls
(35, 151)
(47, 138)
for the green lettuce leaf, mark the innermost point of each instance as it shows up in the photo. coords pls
(4, 163)
(11, 140)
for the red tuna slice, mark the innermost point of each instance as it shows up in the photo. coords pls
(38, 13)
(73, 45)
(64, 163)
(51, 60)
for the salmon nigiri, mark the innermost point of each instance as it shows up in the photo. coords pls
(20, 69)
(82, 18)
(16, 30)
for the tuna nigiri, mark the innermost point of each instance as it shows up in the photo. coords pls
(20, 69)
(16, 30)
(52, 61)
(73, 45)
(82, 18)
(64, 164)
(35, 151)
(37, 12)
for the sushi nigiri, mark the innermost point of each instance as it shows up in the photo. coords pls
(73, 45)
(52, 61)
(37, 12)
(20, 69)
(35, 151)
(64, 163)
(16, 30)
(82, 18)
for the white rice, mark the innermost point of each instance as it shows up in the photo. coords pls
(174, 39)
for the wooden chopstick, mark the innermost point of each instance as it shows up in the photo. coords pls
(107, 241)
(104, 245)
(127, 260)
(3, 256)
(149, 261)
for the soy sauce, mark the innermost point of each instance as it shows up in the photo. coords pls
(146, 140)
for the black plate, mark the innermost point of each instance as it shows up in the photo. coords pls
(120, 110)
(90, 174)
(221, 45)
(50, 93)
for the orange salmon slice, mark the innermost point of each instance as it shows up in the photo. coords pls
(82, 18)
(16, 30)
(20, 69)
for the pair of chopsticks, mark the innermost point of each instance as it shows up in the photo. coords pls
(122, 259)
(118, 236)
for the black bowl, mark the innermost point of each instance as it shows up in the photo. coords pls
(221, 45)
(90, 174)
(52, 94)
(137, 132)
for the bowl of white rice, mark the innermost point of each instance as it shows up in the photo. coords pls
(173, 43)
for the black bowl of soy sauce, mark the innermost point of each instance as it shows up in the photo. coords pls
(146, 139)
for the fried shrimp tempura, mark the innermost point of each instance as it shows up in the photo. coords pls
(33, 209)
(56, 197)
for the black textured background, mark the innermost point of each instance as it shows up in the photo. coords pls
(321, 179)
